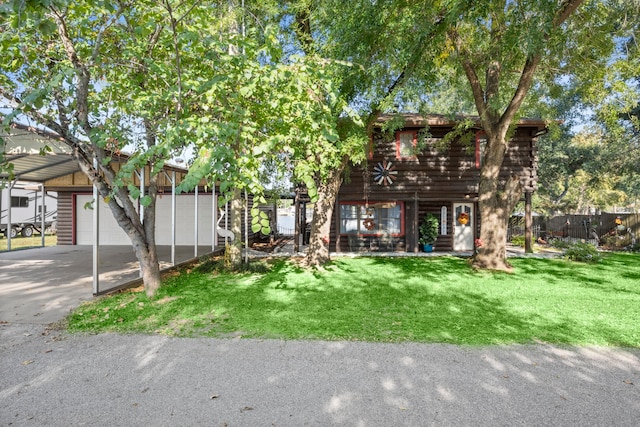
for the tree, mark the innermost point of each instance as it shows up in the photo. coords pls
(596, 162)
(266, 109)
(499, 50)
(382, 45)
(109, 76)
(499, 47)
(580, 172)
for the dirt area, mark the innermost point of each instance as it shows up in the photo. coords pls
(269, 246)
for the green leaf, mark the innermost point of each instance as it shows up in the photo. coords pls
(134, 191)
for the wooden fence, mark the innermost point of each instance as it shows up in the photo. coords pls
(584, 227)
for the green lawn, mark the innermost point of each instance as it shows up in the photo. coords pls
(436, 299)
(27, 242)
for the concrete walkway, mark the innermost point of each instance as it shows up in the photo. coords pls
(41, 285)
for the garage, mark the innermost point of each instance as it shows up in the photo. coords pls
(188, 226)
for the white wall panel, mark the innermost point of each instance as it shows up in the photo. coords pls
(110, 231)
(112, 234)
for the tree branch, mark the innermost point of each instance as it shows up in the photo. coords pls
(174, 31)
(524, 84)
(407, 70)
(82, 71)
(566, 10)
(476, 86)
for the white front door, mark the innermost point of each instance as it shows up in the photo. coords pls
(463, 220)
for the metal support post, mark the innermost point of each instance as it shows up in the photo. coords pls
(195, 237)
(96, 235)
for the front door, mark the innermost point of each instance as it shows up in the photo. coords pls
(463, 220)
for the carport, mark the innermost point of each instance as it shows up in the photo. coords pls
(41, 285)
(112, 267)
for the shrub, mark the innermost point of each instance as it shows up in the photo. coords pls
(220, 264)
(616, 241)
(517, 241)
(560, 244)
(583, 252)
(429, 229)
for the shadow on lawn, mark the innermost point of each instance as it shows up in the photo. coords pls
(403, 300)
(439, 299)
(603, 276)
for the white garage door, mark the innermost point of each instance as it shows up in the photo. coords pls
(112, 234)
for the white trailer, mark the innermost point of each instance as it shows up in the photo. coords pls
(22, 205)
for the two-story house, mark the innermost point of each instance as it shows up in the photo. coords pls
(409, 174)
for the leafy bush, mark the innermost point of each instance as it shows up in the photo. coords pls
(560, 244)
(429, 229)
(616, 241)
(583, 252)
(517, 241)
(220, 265)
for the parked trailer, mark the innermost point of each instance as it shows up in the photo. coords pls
(26, 211)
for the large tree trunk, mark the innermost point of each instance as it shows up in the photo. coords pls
(148, 257)
(496, 201)
(149, 266)
(318, 250)
(141, 233)
(234, 251)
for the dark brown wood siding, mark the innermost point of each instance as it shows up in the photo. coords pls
(427, 182)
(434, 175)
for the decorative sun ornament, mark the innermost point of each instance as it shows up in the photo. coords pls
(384, 173)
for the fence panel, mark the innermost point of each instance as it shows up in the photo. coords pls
(601, 228)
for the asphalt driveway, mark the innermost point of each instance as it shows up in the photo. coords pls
(50, 378)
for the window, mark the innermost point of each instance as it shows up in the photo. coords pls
(376, 219)
(19, 202)
(406, 142)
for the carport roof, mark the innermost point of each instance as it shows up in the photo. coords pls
(24, 147)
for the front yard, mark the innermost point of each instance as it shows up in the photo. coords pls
(438, 299)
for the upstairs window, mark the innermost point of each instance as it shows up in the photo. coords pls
(406, 142)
